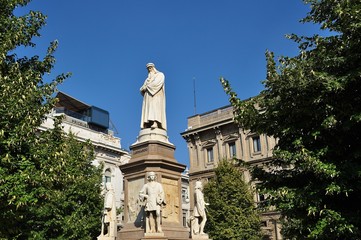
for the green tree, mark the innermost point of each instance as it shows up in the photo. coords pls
(312, 105)
(232, 214)
(71, 204)
(41, 174)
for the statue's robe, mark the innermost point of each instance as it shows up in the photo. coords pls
(153, 108)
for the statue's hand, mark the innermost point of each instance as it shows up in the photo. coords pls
(143, 196)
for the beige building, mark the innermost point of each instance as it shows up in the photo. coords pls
(90, 122)
(213, 136)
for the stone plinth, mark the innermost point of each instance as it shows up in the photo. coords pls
(152, 134)
(105, 238)
(154, 236)
(153, 153)
(201, 237)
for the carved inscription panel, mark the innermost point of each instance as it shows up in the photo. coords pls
(135, 207)
(172, 210)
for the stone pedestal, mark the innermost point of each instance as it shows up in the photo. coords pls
(201, 237)
(105, 238)
(152, 134)
(152, 152)
(154, 236)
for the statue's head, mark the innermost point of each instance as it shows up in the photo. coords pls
(151, 176)
(150, 66)
(198, 185)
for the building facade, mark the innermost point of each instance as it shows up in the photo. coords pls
(213, 136)
(185, 198)
(88, 122)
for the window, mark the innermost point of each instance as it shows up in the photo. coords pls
(184, 217)
(256, 144)
(107, 176)
(185, 197)
(210, 156)
(232, 149)
(260, 197)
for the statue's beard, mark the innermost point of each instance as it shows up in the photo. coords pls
(151, 75)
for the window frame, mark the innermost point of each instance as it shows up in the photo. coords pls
(232, 149)
(256, 144)
(210, 154)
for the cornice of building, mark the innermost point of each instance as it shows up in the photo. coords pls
(210, 126)
(194, 174)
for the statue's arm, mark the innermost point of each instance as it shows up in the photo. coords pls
(161, 195)
(157, 84)
(108, 202)
(142, 193)
(143, 88)
(161, 190)
(200, 203)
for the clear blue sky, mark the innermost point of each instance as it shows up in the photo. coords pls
(106, 44)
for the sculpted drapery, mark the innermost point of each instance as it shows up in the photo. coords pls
(109, 219)
(109, 205)
(153, 108)
(199, 211)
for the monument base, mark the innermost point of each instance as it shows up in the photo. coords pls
(152, 152)
(152, 134)
(154, 236)
(201, 237)
(152, 144)
(105, 238)
(160, 234)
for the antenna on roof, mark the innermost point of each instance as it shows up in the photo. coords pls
(194, 96)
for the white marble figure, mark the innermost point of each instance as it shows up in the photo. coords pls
(153, 92)
(153, 195)
(109, 219)
(199, 211)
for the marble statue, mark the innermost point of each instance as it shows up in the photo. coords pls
(199, 212)
(109, 219)
(153, 195)
(153, 92)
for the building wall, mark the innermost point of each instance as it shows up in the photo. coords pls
(213, 136)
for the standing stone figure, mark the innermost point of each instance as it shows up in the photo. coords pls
(153, 92)
(109, 219)
(153, 195)
(199, 211)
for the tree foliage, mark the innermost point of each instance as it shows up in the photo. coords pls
(71, 204)
(48, 189)
(231, 213)
(312, 105)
